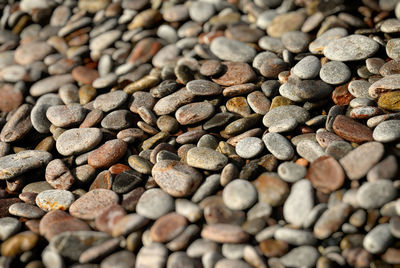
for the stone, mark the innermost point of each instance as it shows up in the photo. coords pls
(356, 165)
(194, 112)
(285, 112)
(351, 130)
(154, 203)
(66, 115)
(19, 243)
(236, 73)
(285, 22)
(249, 147)
(390, 101)
(378, 239)
(26, 211)
(128, 224)
(279, 146)
(173, 101)
(387, 131)
(271, 189)
(58, 175)
(291, 172)
(299, 202)
(203, 87)
(99, 251)
(14, 165)
(18, 125)
(93, 203)
(386, 84)
(168, 227)
(331, 220)
(54, 199)
(24, 55)
(326, 174)
(239, 195)
(78, 140)
(386, 169)
(224, 233)
(120, 259)
(351, 48)
(9, 226)
(110, 101)
(50, 84)
(176, 178)
(206, 158)
(376, 194)
(335, 73)
(225, 263)
(307, 68)
(296, 41)
(153, 255)
(303, 256)
(295, 237)
(232, 50)
(201, 11)
(107, 154)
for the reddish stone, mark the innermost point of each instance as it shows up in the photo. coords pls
(341, 95)
(130, 199)
(271, 189)
(10, 98)
(224, 233)
(106, 220)
(274, 248)
(118, 168)
(103, 181)
(206, 38)
(84, 75)
(351, 130)
(326, 174)
(107, 154)
(144, 51)
(236, 73)
(168, 227)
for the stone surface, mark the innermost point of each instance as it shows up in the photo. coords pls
(299, 202)
(239, 195)
(78, 140)
(54, 199)
(326, 174)
(154, 203)
(350, 48)
(206, 158)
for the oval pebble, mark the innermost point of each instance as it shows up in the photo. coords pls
(54, 199)
(239, 195)
(279, 146)
(78, 140)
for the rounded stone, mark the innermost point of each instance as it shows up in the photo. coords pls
(303, 256)
(232, 50)
(168, 227)
(9, 226)
(19, 243)
(58, 175)
(194, 112)
(249, 147)
(107, 154)
(378, 239)
(307, 68)
(78, 140)
(296, 41)
(335, 73)
(291, 172)
(286, 112)
(110, 101)
(93, 203)
(376, 194)
(54, 200)
(299, 202)
(351, 48)
(279, 146)
(206, 158)
(239, 195)
(224, 233)
(203, 88)
(154, 203)
(26, 211)
(387, 131)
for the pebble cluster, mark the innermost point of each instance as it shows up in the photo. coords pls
(226, 134)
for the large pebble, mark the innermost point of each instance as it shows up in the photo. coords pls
(54, 199)
(376, 194)
(277, 114)
(107, 154)
(206, 158)
(351, 48)
(387, 131)
(279, 146)
(154, 203)
(303, 256)
(78, 140)
(331, 220)
(378, 239)
(299, 202)
(239, 195)
(224, 233)
(232, 50)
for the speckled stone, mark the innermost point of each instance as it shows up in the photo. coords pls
(350, 48)
(206, 158)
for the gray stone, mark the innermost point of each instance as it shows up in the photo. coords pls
(206, 158)
(310, 150)
(78, 140)
(299, 202)
(303, 256)
(120, 259)
(153, 255)
(295, 237)
(50, 84)
(66, 115)
(296, 41)
(9, 226)
(335, 73)
(249, 147)
(378, 239)
(285, 112)
(207, 188)
(291, 172)
(318, 45)
(279, 146)
(307, 68)
(376, 194)
(387, 131)
(351, 48)
(239, 194)
(201, 11)
(232, 50)
(154, 203)
(26, 211)
(110, 101)
(54, 199)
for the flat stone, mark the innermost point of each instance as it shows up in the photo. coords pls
(16, 164)
(107, 154)
(356, 165)
(331, 220)
(351, 48)
(211, 67)
(386, 169)
(271, 67)
(249, 147)
(296, 41)
(176, 178)
(387, 131)
(286, 22)
(378, 239)
(291, 172)
(168, 227)
(154, 203)
(173, 101)
(190, 210)
(279, 146)
(307, 68)
(194, 112)
(66, 115)
(271, 189)
(226, 263)
(285, 112)
(54, 199)
(299, 202)
(18, 125)
(376, 194)
(326, 174)
(120, 259)
(33, 51)
(153, 255)
(390, 101)
(224, 233)
(19, 243)
(128, 224)
(351, 130)
(232, 50)
(295, 237)
(303, 256)
(9, 226)
(26, 211)
(110, 101)
(392, 48)
(386, 84)
(50, 84)
(236, 73)
(58, 175)
(93, 203)
(335, 73)
(10, 97)
(78, 140)
(203, 88)
(206, 158)
(239, 195)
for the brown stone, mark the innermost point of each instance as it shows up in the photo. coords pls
(341, 95)
(5, 204)
(106, 220)
(57, 221)
(224, 233)
(103, 180)
(144, 51)
(130, 199)
(10, 97)
(84, 75)
(238, 105)
(326, 174)
(351, 130)
(236, 73)
(271, 189)
(274, 248)
(168, 227)
(58, 175)
(19, 243)
(107, 154)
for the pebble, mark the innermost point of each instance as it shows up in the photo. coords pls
(389, 101)
(239, 195)
(386, 84)
(310, 150)
(9, 226)
(110, 101)
(356, 165)
(318, 45)
(54, 199)
(335, 73)
(236, 73)
(307, 68)
(154, 203)
(326, 174)
(295, 41)
(168, 227)
(285, 22)
(224, 233)
(295, 237)
(50, 84)
(277, 114)
(331, 220)
(249, 147)
(66, 115)
(225, 263)
(24, 55)
(128, 224)
(58, 175)
(232, 50)
(206, 158)
(351, 130)
(19, 243)
(279, 146)
(376, 194)
(387, 131)
(291, 172)
(271, 189)
(176, 178)
(386, 169)
(153, 255)
(203, 88)
(194, 112)
(299, 203)
(378, 239)
(351, 48)
(120, 259)
(78, 140)
(26, 211)
(107, 154)
(93, 203)
(303, 256)
(13, 165)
